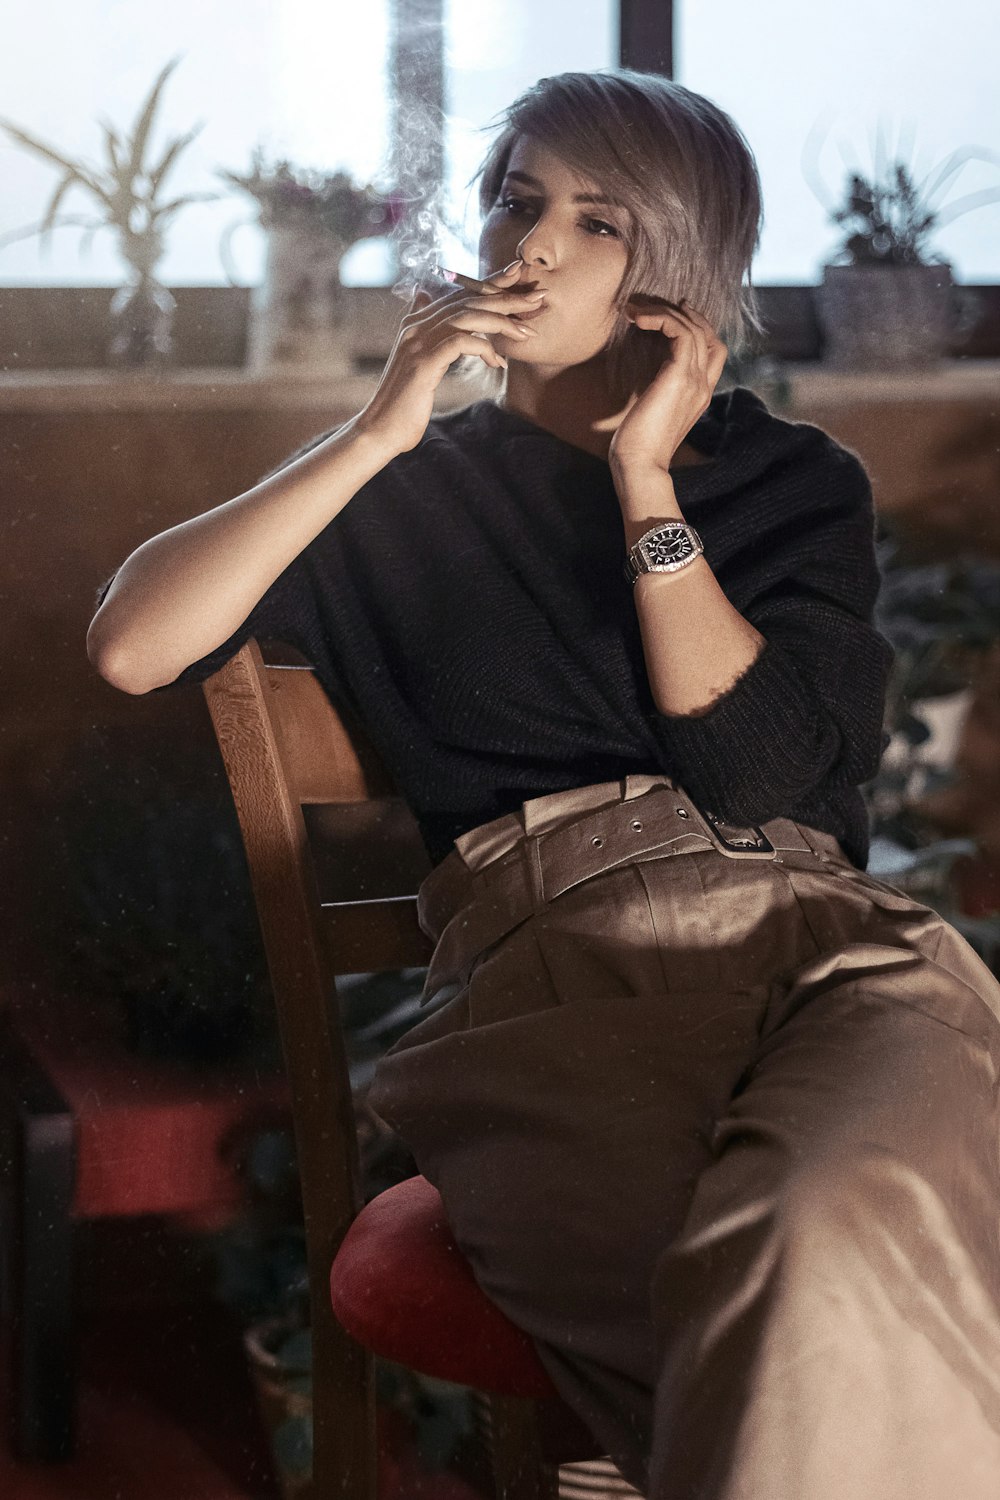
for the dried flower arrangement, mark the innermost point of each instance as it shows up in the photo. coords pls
(291, 197)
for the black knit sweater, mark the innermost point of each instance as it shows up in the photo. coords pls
(469, 604)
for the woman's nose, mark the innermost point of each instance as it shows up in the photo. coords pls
(538, 247)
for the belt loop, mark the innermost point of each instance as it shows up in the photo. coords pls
(642, 782)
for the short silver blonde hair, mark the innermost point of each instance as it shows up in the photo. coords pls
(690, 186)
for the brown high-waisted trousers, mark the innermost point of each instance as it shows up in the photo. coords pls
(721, 1134)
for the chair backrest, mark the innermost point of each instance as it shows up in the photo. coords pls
(335, 859)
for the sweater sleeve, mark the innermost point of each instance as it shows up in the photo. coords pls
(809, 710)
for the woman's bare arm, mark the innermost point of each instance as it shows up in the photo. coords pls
(185, 591)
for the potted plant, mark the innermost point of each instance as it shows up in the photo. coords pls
(298, 318)
(943, 620)
(127, 193)
(886, 302)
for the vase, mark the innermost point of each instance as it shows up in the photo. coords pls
(142, 324)
(298, 315)
(283, 1390)
(889, 317)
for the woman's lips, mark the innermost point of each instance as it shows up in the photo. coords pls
(536, 312)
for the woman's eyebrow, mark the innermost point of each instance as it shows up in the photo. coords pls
(579, 197)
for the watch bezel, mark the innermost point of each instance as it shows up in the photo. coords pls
(639, 561)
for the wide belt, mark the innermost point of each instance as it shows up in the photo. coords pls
(467, 910)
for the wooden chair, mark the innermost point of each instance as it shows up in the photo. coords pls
(336, 859)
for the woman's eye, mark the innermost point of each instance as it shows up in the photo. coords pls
(600, 228)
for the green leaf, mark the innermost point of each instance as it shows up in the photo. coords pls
(48, 222)
(176, 203)
(145, 120)
(952, 164)
(112, 146)
(86, 240)
(29, 229)
(172, 153)
(964, 205)
(80, 171)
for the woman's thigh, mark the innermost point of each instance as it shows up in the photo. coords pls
(880, 1054)
(564, 1100)
(837, 1276)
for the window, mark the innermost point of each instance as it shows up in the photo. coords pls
(781, 70)
(310, 81)
(494, 50)
(306, 80)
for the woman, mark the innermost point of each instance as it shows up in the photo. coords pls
(719, 1131)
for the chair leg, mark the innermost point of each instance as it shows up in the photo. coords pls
(345, 1452)
(519, 1470)
(40, 1168)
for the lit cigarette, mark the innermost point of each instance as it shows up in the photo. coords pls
(468, 282)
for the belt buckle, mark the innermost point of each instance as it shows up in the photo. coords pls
(744, 841)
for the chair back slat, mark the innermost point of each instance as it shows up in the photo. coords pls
(323, 751)
(335, 859)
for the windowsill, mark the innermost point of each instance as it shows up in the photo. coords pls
(193, 389)
(227, 388)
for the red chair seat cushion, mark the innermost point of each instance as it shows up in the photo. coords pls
(402, 1288)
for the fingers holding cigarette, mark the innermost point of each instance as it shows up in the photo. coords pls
(480, 288)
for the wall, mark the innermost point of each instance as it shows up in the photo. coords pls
(94, 466)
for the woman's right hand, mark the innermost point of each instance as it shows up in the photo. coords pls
(432, 335)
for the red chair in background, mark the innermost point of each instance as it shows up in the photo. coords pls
(90, 1130)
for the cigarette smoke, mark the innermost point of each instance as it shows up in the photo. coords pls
(428, 222)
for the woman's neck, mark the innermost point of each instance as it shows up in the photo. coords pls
(575, 404)
(572, 403)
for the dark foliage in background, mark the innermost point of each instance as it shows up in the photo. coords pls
(156, 906)
(939, 616)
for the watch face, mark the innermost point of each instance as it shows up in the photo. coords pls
(668, 545)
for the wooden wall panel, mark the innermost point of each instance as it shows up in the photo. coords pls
(91, 470)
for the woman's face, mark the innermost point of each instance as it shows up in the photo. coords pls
(572, 249)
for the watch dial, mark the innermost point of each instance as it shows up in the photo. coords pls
(668, 547)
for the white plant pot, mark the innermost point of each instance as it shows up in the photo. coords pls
(299, 322)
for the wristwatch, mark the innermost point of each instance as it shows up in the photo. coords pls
(668, 546)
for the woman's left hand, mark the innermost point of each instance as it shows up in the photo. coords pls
(658, 422)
